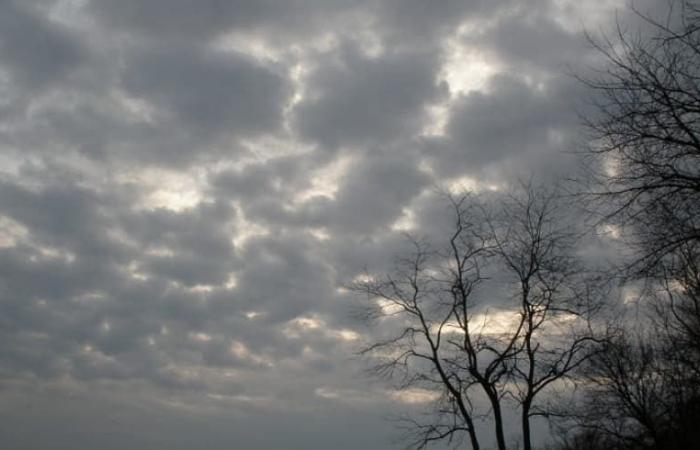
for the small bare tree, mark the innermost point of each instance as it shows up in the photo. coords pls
(461, 331)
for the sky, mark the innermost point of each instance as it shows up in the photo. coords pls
(187, 185)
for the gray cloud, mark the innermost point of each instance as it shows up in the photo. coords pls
(358, 100)
(511, 124)
(417, 24)
(534, 41)
(374, 192)
(207, 92)
(203, 20)
(48, 54)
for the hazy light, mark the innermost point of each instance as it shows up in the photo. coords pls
(245, 229)
(414, 396)
(325, 182)
(166, 189)
(200, 337)
(466, 68)
(11, 232)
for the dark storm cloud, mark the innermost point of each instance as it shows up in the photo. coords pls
(397, 20)
(186, 185)
(198, 249)
(207, 92)
(283, 278)
(370, 196)
(419, 24)
(378, 188)
(203, 20)
(510, 124)
(163, 105)
(374, 98)
(44, 55)
(175, 18)
(535, 42)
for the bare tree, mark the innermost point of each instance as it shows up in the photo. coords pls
(677, 306)
(556, 298)
(438, 346)
(462, 332)
(644, 386)
(647, 131)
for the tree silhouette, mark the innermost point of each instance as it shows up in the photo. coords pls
(647, 132)
(642, 388)
(459, 334)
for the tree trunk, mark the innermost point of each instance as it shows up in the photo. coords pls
(498, 420)
(527, 445)
(473, 439)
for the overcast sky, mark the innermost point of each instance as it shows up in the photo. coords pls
(186, 184)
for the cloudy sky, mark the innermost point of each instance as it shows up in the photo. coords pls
(186, 184)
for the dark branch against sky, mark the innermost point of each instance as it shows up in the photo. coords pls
(185, 185)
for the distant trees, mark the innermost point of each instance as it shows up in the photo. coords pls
(640, 398)
(641, 388)
(492, 319)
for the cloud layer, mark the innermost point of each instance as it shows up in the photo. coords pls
(185, 186)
